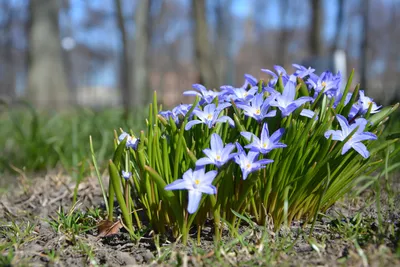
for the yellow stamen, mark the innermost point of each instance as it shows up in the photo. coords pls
(323, 84)
(264, 145)
(197, 182)
(248, 165)
(258, 111)
(218, 157)
(209, 116)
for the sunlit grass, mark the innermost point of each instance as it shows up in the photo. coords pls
(38, 141)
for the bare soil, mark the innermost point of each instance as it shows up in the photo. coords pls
(332, 244)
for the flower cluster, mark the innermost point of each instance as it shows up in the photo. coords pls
(280, 149)
(261, 104)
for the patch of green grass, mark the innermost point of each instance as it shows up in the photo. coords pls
(7, 258)
(74, 222)
(88, 251)
(52, 256)
(13, 236)
(35, 141)
(16, 234)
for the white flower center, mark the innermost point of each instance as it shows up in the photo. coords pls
(248, 165)
(264, 145)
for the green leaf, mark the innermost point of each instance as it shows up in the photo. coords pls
(347, 108)
(119, 152)
(346, 91)
(116, 182)
(167, 195)
(303, 90)
(381, 115)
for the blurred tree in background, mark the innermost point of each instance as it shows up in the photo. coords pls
(117, 52)
(47, 83)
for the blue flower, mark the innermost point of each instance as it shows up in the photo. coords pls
(285, 101)
(266, 143)
(169, 114)
(355, 141)
(281, 72)
(364, 102)
(248, 163)
(207, 96)
(126, 175)
(328, 82)
(218, 154)
(178, 112)
(196, 182)
(210, 116)
(302, 71)
(131, 141)
(308, 113)
(183, 109)
(251, 79)
(238, 95)
(257, 108)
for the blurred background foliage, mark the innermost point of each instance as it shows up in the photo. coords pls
(73, 68)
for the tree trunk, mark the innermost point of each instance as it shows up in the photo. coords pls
(339, 24)
(282, 41)
(364, 45)
(223, 42)
(315, 29)
(202, 45)
(7, 85)
(140, 66)
(47, 86)
(125, 89)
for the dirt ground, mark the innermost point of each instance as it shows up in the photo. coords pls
(352, 234)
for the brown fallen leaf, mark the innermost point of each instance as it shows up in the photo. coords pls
(106, 228)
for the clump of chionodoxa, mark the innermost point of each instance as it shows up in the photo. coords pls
(274, 151)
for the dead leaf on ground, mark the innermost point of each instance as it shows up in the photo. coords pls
(106, 228)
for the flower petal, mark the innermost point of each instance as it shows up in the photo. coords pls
(209, 109)
(336, 135)
(194, 201)
(192, 93)
(270, 73)
(252, 155)
(179, 184)
(265, 161)
(361, 149)
(249, 136)
(277, 135)
(207, 189)
(208, 177)
(308, 113)
(190, 124)
(343, 123)
(289, 91)
(227, 150)
(216, 143)
(201, 88)
(226, 119)
(264, 133)
(289, 109)
(204, 161)
(346, 147)
(251, 79)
